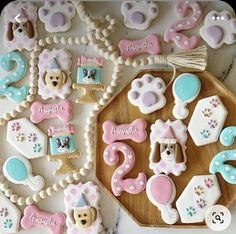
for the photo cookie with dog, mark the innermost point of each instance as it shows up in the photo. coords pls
(20, 26)
(168, 147)
(54, 74)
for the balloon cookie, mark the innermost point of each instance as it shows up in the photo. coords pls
(186, 88)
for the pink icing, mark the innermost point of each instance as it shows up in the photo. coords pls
(40, 111)
(173, 32)
(118, 184)
(65, 129)
(85, 60)
(33, 217)
(135, 131)
(149, 45)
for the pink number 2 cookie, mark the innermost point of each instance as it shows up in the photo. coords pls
(173, 33)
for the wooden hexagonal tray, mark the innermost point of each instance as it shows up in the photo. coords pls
(121, 111)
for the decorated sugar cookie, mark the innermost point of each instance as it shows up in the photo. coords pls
(89, 78)
(147, 93)
(211, 113)
(18, 170)
(57, 15)
(82, 208)
(20, 25)
(62, 147)
(16, 74)
(186, 88)
(27, 138)
(54, 74)
(34, 217)
(219, 28)
(139, 14)
(201, 192)
(168, 147)
(9, 216)
(227, 136)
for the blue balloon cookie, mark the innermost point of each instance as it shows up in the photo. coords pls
(228, 135)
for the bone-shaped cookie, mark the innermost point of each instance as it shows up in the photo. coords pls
(33, 217)
(150, 45)
(41, 111)
(135, 131)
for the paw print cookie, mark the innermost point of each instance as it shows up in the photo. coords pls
(57, 15)
(139, 14)
(219, 28)
(147, 93)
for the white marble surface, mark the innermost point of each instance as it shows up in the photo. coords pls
(222, 64)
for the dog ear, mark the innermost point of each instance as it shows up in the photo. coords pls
(71, 215)
(30, 29)
(179, 157)
(67, 140)
(94, 213)
(58, 142)
(85, 72)
(156, 153)
(63, 77)
(44, 78)
(10, 34)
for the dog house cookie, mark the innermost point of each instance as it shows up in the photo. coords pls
(20, 25)
(54, 74)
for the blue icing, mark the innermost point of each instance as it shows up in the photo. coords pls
(89, 75)
(228, 135)
(16, 169)
(186, 86)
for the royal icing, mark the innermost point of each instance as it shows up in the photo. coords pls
(57, 15)
(54, 74)
(161, 193)
(62, 147)
(218, 164)
(228, 135)
(201, 192)
(211, 113)
(147, 93)
(82, 208)
(9, 216)
(219, 28)
(118, 183)
(34, 217)
(21, 26)
(186, 88)
(16, 74)
(41, 111)
(148, 45)
(135, 131)
(18, 170)
(168, 147)
(139, 14)
(173, 33)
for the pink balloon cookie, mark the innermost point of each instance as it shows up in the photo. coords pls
(118, 184)
(148, 45)
(161, 192)
(173, 33)
(135, 131)
(33, 217)
(40, 111)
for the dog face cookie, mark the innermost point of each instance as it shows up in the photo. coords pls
(20, 23)
(57, 15)
(54, 73)
(219, 28)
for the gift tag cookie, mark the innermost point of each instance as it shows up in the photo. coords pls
(161, 193)
(82, 208)
(57, 15)
(54, 74)
(139, 14)
(18, 170)
(201, 192)
(186, 88)
(89, 78)
(9, 216)
(211, 113)
(27, 138)
(147, 92)
(62, 148)
(20, 20)
(34, 217)
(219, 28)
(7, 62)
(168, 147)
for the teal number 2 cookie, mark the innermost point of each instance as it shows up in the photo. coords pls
(7, 65)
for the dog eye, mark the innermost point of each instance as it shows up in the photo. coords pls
(171, 146)
(85, 215)
(23, 25)
(51, 77)
(165, 146)
(17, 25)
(79, 216)
(57, 78)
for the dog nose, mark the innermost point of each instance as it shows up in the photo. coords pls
(54, 83)
(20, 30)
(168, 152)
(83, 221)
